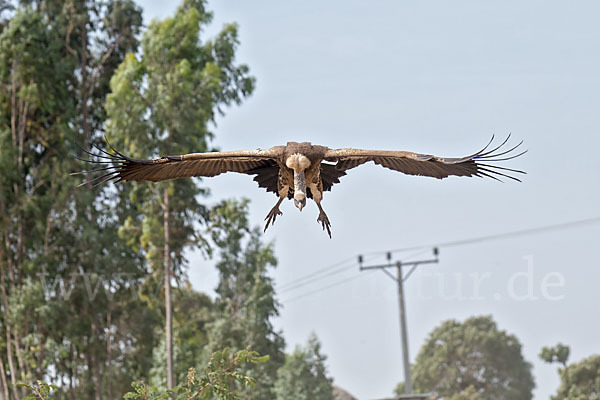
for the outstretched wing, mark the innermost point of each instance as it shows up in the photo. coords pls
(122, 168)
(481, 164)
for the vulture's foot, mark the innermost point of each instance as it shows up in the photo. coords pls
(272, 215)
(324, 221)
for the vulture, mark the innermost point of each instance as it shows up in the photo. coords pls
(301, 170)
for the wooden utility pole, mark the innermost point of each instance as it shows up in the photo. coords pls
(400, 278)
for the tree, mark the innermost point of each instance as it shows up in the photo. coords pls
(246, 303)
(162, 103)
(304, 376)
(475, 360)
(56, 59)
(579, 381)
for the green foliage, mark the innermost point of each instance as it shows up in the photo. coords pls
(556, 354)
(219, 376)
(217, 379)
(246, 301)
(162, 102)
(399, 389)
(142, 391)
(59, 253)
(41, 390)
(304, 376)
(469, 393)
(473, 359)
(579, 381)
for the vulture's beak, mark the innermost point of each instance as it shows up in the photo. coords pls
(300, 203)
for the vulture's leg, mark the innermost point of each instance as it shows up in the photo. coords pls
(317, 194)
(272, 215)
(275, 211)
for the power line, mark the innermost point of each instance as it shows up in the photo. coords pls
(498, 236)
(314, 273)
(322, 288)
(315, 278)
(319, 274)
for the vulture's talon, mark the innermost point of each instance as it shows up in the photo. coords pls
(324, 220)
(272, 216)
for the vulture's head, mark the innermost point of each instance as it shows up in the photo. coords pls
(299, 200)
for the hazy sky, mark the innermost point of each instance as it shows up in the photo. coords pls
(436, 77)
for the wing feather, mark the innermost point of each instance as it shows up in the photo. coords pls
(127, 169)
(267, 176)
(330, 175)
(477, 164)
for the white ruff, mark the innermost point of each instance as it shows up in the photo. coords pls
(297, 162)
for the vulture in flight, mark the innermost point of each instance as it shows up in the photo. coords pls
(302, 170)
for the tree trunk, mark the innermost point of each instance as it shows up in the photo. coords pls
(71, 372)
(96, 373)
(9, 355)
(83, 89)
(167, 273)
(98, 378)
(21, 132)
(108, 351)
(11, 362)
(4, 395)
(90, 368)
(23, 373)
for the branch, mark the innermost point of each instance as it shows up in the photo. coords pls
(69, 31)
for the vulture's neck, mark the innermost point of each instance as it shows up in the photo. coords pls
(298, 162)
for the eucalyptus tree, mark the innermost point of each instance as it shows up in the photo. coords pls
(163, 101)
(56, 59)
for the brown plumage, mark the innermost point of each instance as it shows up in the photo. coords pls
(302, 170)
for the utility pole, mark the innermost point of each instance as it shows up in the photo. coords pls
(400, 278)
(403, 331)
